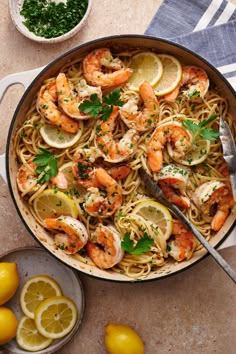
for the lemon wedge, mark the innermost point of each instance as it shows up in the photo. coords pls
(52, 204)
(56, 317)
(73, 189)
(58, 138)
(146, 66)
(156, 213)
(197, 154)
(172, 72)
(35, 290)
(29, 338)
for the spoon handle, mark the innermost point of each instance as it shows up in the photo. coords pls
(215, 254)
(156, 192)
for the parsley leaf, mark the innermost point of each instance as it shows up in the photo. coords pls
(47, 163)
(143, 245)
(204, 122)
(188, 124)
(201, 130)
(94, 106)
(127, 243)
(113, 98)
(106, 112)
(209, 134)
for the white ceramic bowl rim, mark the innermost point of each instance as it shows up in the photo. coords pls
(15, 7)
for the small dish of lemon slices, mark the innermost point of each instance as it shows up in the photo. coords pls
(48, 304)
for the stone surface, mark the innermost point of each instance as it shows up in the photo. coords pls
(192, 312)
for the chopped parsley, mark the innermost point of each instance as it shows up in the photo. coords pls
(83, 171)
(49, 19)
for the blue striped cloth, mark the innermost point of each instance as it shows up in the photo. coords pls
(207, 27)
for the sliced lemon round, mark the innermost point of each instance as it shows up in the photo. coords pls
(56, 317)
(172, 72)
(29, 338)
(58, 138)
(146, 66)
(156, 213)
(73, 189)
(197, 154)
(52, 204)
(35, 290)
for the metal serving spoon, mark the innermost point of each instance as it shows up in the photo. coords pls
(156, 192)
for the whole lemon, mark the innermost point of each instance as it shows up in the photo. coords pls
(121, 339)
(8, 325)
(9, 281)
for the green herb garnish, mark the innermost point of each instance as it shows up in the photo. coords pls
(201, 130)
(47, 164)
(94, 106)
(143, 245)
(48, 19)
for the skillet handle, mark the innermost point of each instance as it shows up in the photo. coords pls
(24, 78)
(3, 167)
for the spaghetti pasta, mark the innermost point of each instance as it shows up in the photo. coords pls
(28, 140)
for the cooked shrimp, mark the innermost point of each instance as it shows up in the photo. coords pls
(111, 150)
(214, 198)
(195, 79)
(106, 199)
(100, 59)
(172, 133)
(47, 108)
(119, 172)
(70, 102)
(107, 251)
(172, 179)
(84, 167)
(145, 119)
(75, 235)
(27, 178)
(60, 180)
(182, 243)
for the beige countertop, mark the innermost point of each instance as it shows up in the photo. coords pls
(191, 312)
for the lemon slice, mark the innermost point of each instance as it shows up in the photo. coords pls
(58, 138)
(51, 204)
(197, 154)
(73, 189)
(29, 338)
(156, 213)
(56, 316)
(146, 66)
(35, 290)
(172, 72)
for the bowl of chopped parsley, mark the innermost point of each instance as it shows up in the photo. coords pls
(49, 21)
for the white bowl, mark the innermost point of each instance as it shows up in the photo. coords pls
(15, 8)
(33, 261)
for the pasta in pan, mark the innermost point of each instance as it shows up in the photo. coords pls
(84, 139)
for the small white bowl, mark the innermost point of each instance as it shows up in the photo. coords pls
(15, 8)
(33, 261)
